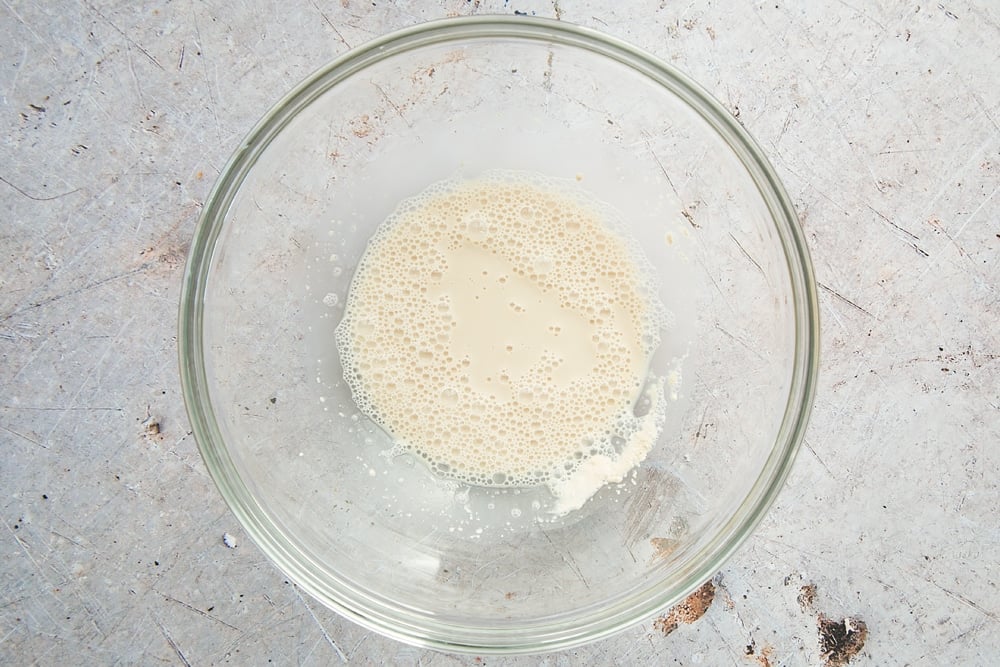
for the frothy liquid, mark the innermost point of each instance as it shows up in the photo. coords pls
(500, 329)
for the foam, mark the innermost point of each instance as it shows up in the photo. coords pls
(501, 329)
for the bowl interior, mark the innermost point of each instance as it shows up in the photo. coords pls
(380, 538)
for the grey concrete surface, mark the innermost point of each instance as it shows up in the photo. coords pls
(883, 119)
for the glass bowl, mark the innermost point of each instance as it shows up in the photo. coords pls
(373, 533)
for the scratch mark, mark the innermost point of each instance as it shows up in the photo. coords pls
(570, 561)
(23, 436)
(72, 401)
(197, 611)
(949, 14)
(84, 288)
(821, 461)
(937, 223)
(173, 644)
(908, 150)
(326, 635)
(911, 237)
(547, 74)
(974, 155)
(386, 97)
(964, 600)
(747, 255)
(690, 218)
(125, 36)
(643, 507)
(17, 72)
(976, 212)
(975, 628)
(68, 539)
(60, 408)
(784, 128)
(208, 84)
(843, 298)
(27, 25)
(330, 23)
(360, 642)
(34, 198)
(746, 345)
(964, 224)
(24, 548)
(862, 13)
(701, 426)
(656, 159)
(139, 95)
(180, 59)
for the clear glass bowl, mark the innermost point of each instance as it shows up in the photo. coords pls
(376, 536)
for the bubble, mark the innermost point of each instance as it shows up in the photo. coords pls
(480, 418)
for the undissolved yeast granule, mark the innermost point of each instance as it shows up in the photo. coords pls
(501, 330)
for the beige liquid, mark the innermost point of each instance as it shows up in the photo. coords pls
(499, 329)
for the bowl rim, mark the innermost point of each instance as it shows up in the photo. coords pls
(359, 605)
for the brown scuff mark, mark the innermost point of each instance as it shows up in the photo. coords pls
(763, 657)
(688, 611)
(361, 126)
(839, 641)
(806, 597)
(152, 429)
(170, 250)
(166, 255)
(662, 547)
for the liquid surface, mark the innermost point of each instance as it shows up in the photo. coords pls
(501, 330)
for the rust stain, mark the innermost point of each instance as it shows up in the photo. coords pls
(839, 641)
(689, 611)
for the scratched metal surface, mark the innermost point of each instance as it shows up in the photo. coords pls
(884, 121)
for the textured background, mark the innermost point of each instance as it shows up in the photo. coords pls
(882, 118)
